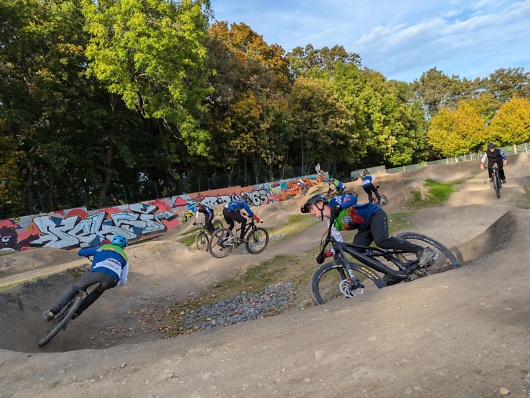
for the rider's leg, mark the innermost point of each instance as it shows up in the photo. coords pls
(228, 214)
(367, 189)
(105, 282)
(243, 221)
(501, 170)
(209, 226)
(378, 226)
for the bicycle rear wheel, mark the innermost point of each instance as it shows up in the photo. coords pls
(257, 240)
(62, 318)
(221, 243)
(331, 280)
(202, 241)
(384, 200)
(444, 261)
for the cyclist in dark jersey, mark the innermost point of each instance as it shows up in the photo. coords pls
(208, 217)
(494, 155)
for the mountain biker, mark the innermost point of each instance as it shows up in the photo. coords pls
(369, 219)
(494, 155)
(232, 212)
(109, 269)
(368, 183)
(338, 185)
(208, 217)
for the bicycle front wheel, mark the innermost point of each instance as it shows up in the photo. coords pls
(201, 241)
(331, 281)
(221, 243)
(384, 200)
(257, 240)
(444, 261)
(218, 224)
(62, 319)
(497, 185)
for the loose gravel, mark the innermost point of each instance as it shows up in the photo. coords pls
(244, 307)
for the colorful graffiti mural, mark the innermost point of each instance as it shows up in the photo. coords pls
(75, 228)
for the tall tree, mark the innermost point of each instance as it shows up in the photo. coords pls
(511, 125)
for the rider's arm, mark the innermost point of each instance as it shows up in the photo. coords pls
(503, 156)
(87, 251)
(343, 201)
(482, 160)
(124, 275)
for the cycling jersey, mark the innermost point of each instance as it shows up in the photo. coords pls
(367, 180)
(208, 213)
(109, 259)
(239, 204)
(355, 216)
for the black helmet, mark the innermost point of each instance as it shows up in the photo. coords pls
(491, 145)
(365, 172)
(313, 200)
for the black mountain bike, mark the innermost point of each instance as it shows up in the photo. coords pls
(223, 241)
(496, 180)
(63, 318)
(373, 266)
(202, 239)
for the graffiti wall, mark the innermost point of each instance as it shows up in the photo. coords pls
(75, 228)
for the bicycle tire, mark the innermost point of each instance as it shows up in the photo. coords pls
(218, 224)
(497, 185)
(328, 283)
(216, 245)
(383, 200)
(257, 240)
(446, 259)
(62, 319)
(201, 241)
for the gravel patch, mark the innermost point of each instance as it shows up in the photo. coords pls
(244, 307)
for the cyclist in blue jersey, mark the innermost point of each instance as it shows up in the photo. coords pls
(232, 213)
(369, 219)
(208, 217)
(338, 187)
(494, 155)
(370, 186)
(109, 269)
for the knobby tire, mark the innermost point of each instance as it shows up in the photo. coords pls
(216, 246)
(257, 240)
(497, 185)
(62, 319)
(201, 241)
(326, 280)
(446, 259)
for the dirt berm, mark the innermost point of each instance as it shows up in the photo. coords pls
(462, 333)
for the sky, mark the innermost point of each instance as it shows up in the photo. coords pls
(402, 39)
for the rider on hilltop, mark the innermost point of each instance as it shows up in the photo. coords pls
(208, 217)
(494, 155)
(369, 219)
(370, 186)
(232, 212)
(109, 269)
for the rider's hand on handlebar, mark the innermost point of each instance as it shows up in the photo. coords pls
(194, 222)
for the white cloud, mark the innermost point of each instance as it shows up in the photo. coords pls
(399, 39)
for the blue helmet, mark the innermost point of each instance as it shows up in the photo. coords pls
(120, 240)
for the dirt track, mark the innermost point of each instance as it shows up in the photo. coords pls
(464, 333)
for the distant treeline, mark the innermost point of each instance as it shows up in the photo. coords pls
(102, 99)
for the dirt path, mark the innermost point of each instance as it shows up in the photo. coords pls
(463, 333)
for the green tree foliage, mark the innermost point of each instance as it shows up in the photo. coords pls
(151, 54)
(504, 84)
(309, 61)
(511, 125)
(457, 132)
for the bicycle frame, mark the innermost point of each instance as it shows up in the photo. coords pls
(366, 256)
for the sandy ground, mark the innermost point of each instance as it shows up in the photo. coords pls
(463, 333)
